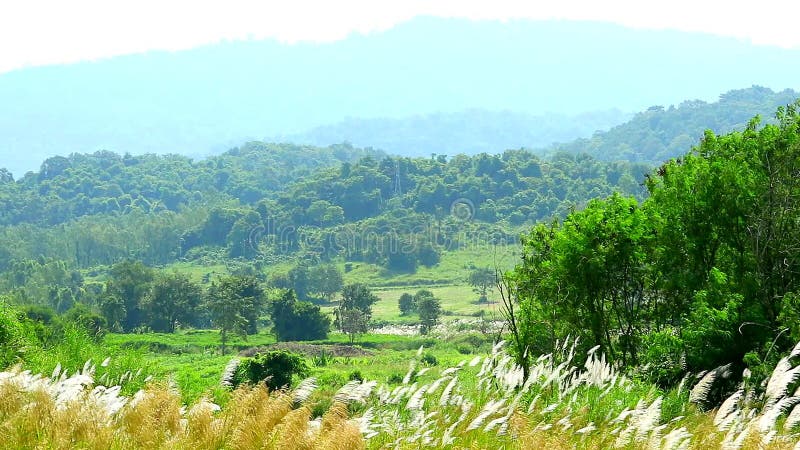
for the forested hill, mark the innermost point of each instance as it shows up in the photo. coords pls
(210, 98)
(469, 132)
(108, 183)
(660, 133)
(95, 209)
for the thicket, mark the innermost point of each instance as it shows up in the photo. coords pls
(704, 272)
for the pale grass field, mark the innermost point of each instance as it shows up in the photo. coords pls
(481, 402)
(458, 302)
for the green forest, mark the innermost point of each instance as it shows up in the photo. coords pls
(652, 287)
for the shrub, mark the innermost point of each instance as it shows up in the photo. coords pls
(297, 321)
(275, 369)
(395, 378)
(662, 359)
(407, 304)
(13, 336)
(94, 324)
(355, 376)
(429, 359)
(321, 360)
(43, 322)
(473, 341)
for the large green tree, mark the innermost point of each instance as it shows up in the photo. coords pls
(129, 283)
(355, 310)
(293, 320)
(234, 303)
(482, 280)
(429, 309)
(173, 298)
(706, 270)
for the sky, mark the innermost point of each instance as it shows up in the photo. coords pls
(39, 32)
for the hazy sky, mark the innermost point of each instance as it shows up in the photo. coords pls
(36, 32)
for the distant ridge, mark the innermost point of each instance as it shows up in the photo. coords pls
(658, 134)
(211, 98)
(468, 132)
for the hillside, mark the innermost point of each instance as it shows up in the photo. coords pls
(209, 99)
(658, 134)
(468, 132)
(265, 202)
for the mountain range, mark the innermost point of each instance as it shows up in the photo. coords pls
(456, 85)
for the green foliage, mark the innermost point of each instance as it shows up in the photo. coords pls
(429, 359)
(355, 310)
(406, 304)
(87, 320)
(659, 133)
(129, 284)
(482, 279)
(298, 281)
(325, 280)
(702, 273)
(173, 299)
(358, 296)
(355, 376)
(235, 303)
(429, 309)
(297, 321)
(14, 337)
(789, 316)
(663, 360)
(275, 369)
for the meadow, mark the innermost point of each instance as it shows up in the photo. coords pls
(434, 397)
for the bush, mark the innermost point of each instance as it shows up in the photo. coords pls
(94, 324)
(474, 341)
(429, 359)
(43, 322)
(662, 358)
(395, 378)
(407, 304)
(13, 336)
(275, 369)
(297, 321)
(355, 376)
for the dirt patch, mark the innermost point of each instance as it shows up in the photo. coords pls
(309, 349)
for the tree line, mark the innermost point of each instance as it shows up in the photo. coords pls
(264, 202)
(136, 298)
(704, 272)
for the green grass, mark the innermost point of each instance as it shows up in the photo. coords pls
(447, 280)
(453, 268)
(193, 361)
(196, 272)
(458, 301)
(196, 374)
(190, 341)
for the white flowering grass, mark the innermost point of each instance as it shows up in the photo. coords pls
(482, 402)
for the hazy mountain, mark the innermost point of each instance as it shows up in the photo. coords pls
(468, 132)
(661, 133)
(210, 98)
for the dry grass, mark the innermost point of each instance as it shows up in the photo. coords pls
(483, 403)
(32, 415)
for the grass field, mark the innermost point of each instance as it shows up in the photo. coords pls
(458, 301)
(192, 359)
(453, 268)
(447, 281)
(439, 397)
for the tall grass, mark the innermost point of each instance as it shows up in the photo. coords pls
(71, 412)
(76, 348)
(482, 402)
